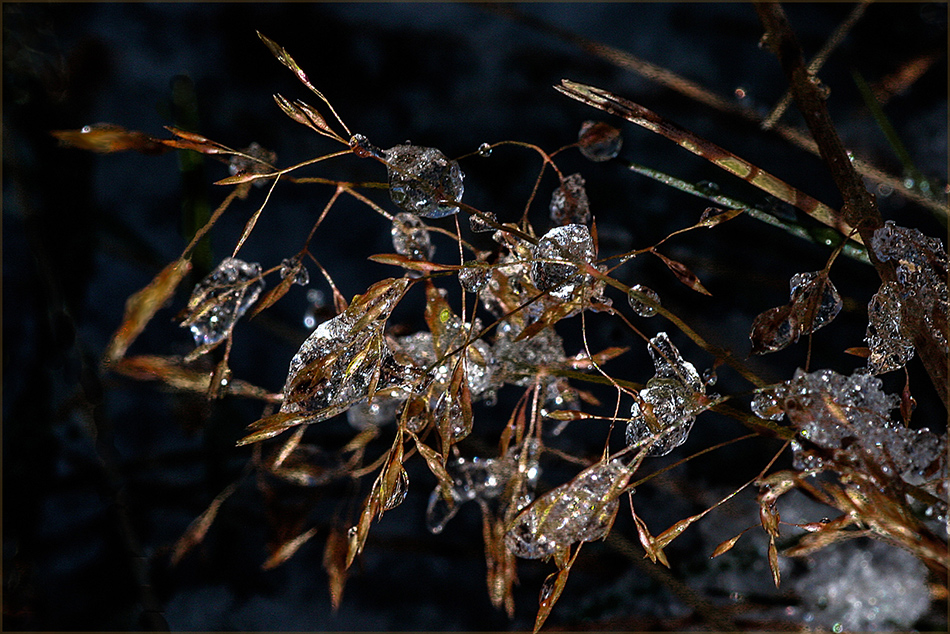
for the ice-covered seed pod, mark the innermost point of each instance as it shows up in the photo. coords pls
(422, 181)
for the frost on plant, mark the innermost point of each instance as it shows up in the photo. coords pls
(221, 298)
(890, 347)
(850, 416)
(670, 401)
(855, 588)
(422, 181)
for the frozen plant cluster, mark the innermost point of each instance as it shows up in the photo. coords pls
(221, 298)
(850, 414)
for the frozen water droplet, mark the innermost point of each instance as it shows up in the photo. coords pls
(767, 404)
(423, 181)
(637, 294)
(484, 150)
(398, 494)
(569, 242)
(709, 377)
(547, 588)
(478, 224)
(599, 141)
(411, 237)
(814, 313)
(366, 415)
(580, 510)
(288, 266)
(221, 298)
(569, 204)
(671, 365)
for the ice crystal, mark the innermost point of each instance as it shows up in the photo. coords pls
(478, 222)
(599, 141)
(569, 204)
(581, 510)
(636, 295)
(518, 361)
(422, 181)
(479, 360)
(221, 298)
(474, 276)
(671, 396)
(411, 237)
(814, 302)
(572, 243)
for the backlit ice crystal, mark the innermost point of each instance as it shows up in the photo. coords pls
(221, 298)
(423, 181)
(672, 397)
(572, 243)
(635, 297)
(890, 348)
(301, 275)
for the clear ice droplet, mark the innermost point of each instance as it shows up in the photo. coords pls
(474, 276)
(484, 150)
(301, 275)
(411, 237)
(422, 181)
(599, 141)
(572, 243)
(635, 297)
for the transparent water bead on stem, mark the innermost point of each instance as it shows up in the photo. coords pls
(484, 150)
(423, 181)
(571, 243)
(411, 237)
(221, 298)
(637, 294)
(890, 348)
(599, 141)
(580, 510)
(569, 203)
(290, 266)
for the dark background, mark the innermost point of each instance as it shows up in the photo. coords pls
(101, 475)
